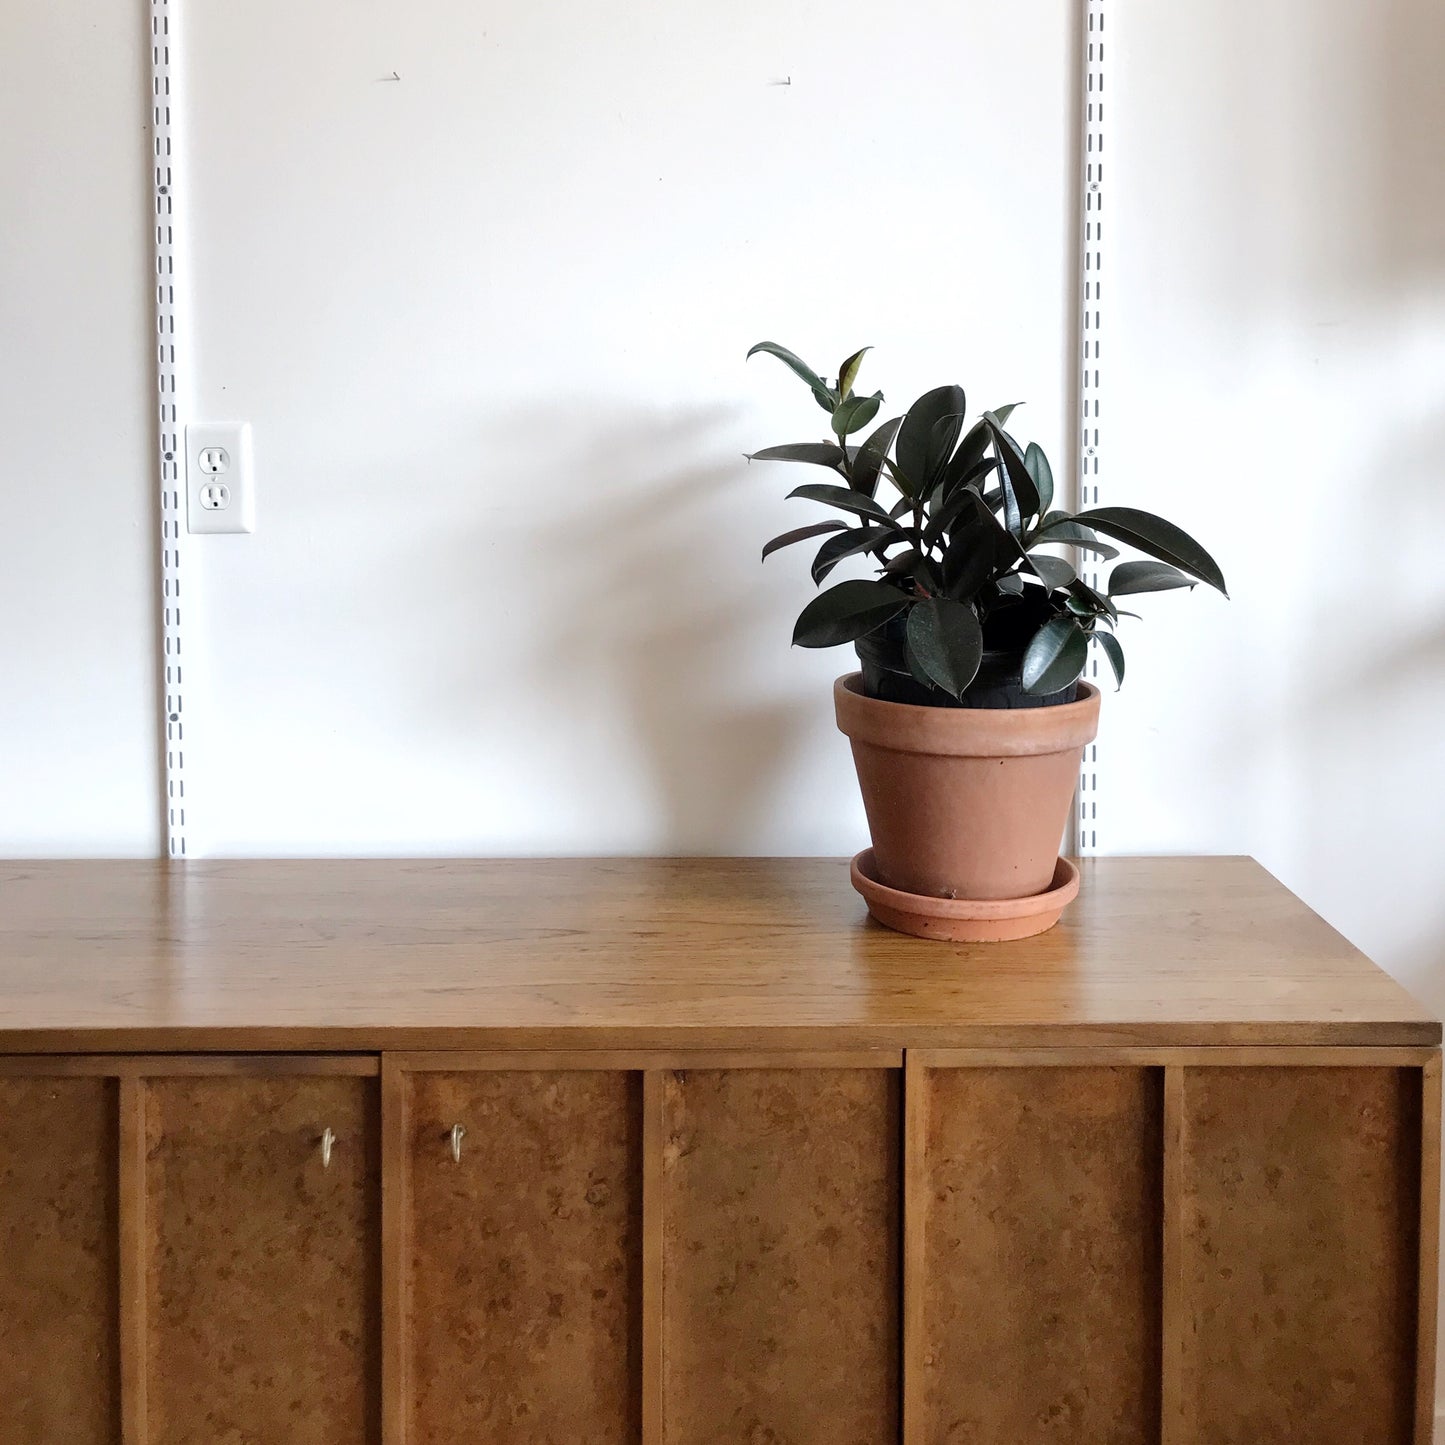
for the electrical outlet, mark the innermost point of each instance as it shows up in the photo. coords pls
(220, 485)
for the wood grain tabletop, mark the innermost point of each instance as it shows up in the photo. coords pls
(364, 955)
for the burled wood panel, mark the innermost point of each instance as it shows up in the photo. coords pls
(525, 1258)
(263, 1265)
(1042, 1229)
(1299, 1220)
(781, 1257)
(59, 1364)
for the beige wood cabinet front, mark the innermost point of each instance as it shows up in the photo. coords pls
(1114, 1247)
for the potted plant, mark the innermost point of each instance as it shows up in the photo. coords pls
(968, 716)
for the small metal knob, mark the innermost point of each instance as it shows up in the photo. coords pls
(457, 1135)
(328, 1141)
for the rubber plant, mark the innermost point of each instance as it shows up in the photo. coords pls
(959, 523)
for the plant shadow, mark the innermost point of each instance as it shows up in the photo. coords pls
(654, 626)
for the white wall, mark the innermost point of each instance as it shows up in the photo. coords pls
(1277, 384)
(489, 322)
(78, 751)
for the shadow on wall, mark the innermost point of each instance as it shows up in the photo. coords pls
(1405, 192)
(655, 619)
(1331, 219)
(1374, 824)
(1391, 642)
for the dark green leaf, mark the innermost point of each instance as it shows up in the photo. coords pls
(869, 461)
(848, 372)
(1013, 517)
(941, 442)
(1055, 657)
(1071, 534)
(915, 671)
(1013, 584)
(946, 643)
(970, 558)
(846, 612)
(1091, 603)
(1009, 548)
(849, 544)
(1042, 473)
(928, 436)
(1130, 577)
(1053, 571)
(975, 444)
(912, 563)
(1110, 645)
(927, 575)
(902, 564)
(1021, 497)
(799, 367)
(964, 502)
(855, 412)
(844, 498)
(801, 534)
(955, 478)
(794, 363)
(968, 457)
(1158, 538)
(831, 553)
(898, 477)
(822, 454)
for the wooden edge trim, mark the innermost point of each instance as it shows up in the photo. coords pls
(158, 1066)
(257, 1039)
(131, 1230)
(1224, 1055)
(395, 1242)
(654, 1135)
(1175, 1413)
(1429, 1247)
(646, 1060)
(915, 1197)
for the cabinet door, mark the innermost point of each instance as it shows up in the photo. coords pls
(519, 1255)
(1034, 1235)
(1298, 1232)
(781, 1220)
(261, 1259)
(59, 1360)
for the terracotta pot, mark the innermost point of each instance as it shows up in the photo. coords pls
(966, 802)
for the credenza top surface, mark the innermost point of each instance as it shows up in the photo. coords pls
(656, 953)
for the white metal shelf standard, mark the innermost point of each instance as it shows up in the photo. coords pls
(170, 427)
(1091, 254)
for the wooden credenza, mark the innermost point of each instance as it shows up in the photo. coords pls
(689, 1153)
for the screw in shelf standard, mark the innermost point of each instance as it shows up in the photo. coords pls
(458, 1133)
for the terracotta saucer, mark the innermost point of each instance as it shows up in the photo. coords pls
(961, 920)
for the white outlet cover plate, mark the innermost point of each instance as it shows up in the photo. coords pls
(232, 477)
